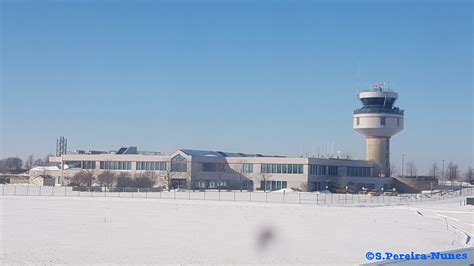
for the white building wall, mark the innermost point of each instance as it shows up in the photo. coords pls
(233, 168)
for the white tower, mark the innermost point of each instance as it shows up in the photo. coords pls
(378, 120)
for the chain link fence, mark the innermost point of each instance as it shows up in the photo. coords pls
(314, 198)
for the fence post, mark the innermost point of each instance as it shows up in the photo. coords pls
(266, 197)
(174, 194)
(3, 189)
(317, 199)
(250, 197)
(65, 191)
(15, 190)
(219, 195)
(27, 190)
(160, 194)
(189, 195)
(299, 198)
(52, 191)
(234, 196)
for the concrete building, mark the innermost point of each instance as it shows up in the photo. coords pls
(378, 120)
(197, 169)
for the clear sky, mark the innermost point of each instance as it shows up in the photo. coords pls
(262, 76)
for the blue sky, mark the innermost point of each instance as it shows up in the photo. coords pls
(261, 76)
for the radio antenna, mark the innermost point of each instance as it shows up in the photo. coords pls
(358, 77)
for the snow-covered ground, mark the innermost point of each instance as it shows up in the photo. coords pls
(84, 230)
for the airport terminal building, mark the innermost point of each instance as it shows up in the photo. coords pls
(198, 169)
(378, 120)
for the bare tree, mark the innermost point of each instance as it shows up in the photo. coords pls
(469, 175)
(29, 162)
(146, 180)
(11, 164)
(83, 178)
(393, 170)
(452, 171)
(411, 169)
(266, 178)
(38, 162)
(434, 170)
(46, 159)
(304, 187)
(168, 176)
(107, 179)
(124, 180)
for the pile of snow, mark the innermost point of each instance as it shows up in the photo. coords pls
(285, 190)
(430, 191)
(44, 168)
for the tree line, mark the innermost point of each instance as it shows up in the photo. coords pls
(110, 179)
(17, 165)
(451, 171)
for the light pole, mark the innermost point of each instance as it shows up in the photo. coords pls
(442, 174)
(241, 172)
(62, 171)
(403, 164)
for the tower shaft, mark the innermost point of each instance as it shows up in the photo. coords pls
(378, 151)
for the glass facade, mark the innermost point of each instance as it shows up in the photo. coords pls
(151, 166)
(73, 164)
(332, 170)
(80, 164)
(118, 165)
(358, 171)
(179, 164)
(281, 168)
(376, 109)
(273, 185)
(247, 168)
(315, 169)
(88, 164)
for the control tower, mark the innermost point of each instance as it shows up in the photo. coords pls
(378, 120)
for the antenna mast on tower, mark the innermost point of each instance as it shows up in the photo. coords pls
(61, 146)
